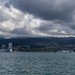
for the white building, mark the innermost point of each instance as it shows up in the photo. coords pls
(10, 47)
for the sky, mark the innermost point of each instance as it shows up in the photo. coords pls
(37, 18)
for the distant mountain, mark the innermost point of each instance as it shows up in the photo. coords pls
(43, 40)
(2, 38)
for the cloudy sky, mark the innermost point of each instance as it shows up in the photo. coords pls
(37, 18)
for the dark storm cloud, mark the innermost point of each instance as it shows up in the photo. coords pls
(21, 31)
(50, 28)
(37, 18)
(47, 9)
(45, 27)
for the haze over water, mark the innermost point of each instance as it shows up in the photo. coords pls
(36, 63)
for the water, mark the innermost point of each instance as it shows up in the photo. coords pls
(36, 63)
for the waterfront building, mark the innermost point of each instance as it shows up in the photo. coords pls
(10, 47)
(3, 46)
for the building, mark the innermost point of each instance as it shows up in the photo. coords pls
(3, 46)
(10, 47)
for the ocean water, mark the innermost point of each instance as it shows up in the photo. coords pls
(37, 63)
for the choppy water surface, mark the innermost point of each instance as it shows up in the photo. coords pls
(36, 63)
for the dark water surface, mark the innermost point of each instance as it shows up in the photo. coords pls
(36, 63)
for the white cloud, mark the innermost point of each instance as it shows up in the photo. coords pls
(15, 23)
(14, 19)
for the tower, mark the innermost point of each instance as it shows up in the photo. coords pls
(10, 47)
